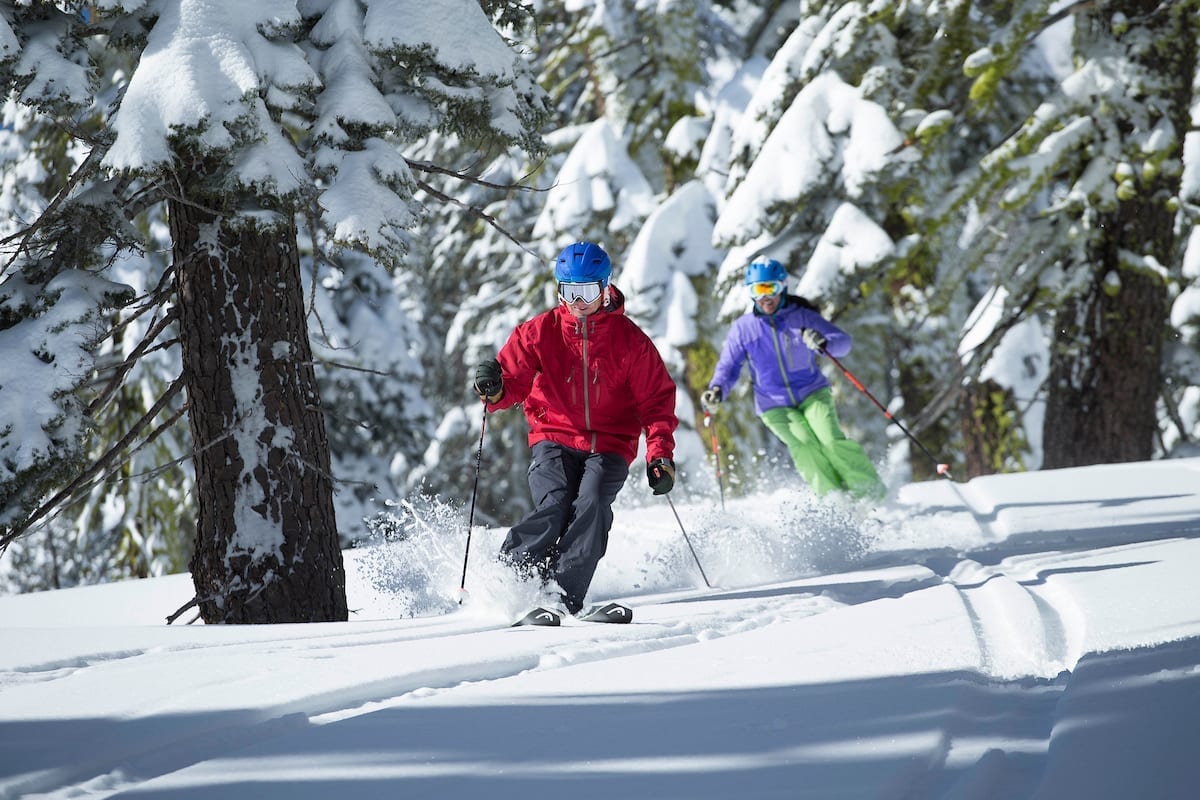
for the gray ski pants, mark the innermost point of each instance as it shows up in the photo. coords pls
(573, 492)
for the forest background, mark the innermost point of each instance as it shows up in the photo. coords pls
(252, 251)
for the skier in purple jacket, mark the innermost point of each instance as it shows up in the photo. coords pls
(780, 338)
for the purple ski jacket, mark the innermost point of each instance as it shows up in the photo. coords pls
(782, 368)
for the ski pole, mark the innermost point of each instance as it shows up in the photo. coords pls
(942, 469)
(689, 541)
(471, 518)
(716, 448)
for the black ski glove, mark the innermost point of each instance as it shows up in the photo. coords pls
(661, 474)
(489, 384)
(710, 400)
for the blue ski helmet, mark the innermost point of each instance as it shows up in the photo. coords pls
(583, 262)
(763, 269)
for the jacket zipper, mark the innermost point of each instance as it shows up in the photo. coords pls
(779, 359)
(587, 406)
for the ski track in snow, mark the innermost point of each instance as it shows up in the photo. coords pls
(1021, 630)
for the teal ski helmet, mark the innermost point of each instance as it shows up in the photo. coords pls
(583, 262)
(763, 270)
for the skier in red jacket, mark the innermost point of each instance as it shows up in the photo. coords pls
(592, 382)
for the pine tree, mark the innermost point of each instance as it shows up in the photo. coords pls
(807, 167)
(866, 114)
(1095, 170)
(53, 300)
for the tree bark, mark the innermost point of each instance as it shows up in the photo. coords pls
(267, 546)
(1105, 373)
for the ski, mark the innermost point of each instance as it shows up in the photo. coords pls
(608, 612)
(613, 613)
(539, 616)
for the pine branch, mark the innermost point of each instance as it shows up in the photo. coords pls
(1171, 408)
(95, 468)
(154, 434)
(26, 236)
(947, 396)
(324, 473)
(1059, 16)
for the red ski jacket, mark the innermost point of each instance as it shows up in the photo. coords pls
(593, 383)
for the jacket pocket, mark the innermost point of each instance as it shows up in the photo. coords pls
(595, 384)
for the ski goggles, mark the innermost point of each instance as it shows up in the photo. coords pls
(766, 289)
(587, 292)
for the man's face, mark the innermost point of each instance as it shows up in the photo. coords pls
(768, 304)
(579, 308)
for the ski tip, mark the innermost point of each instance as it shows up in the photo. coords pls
(541, 617)
(609, 612)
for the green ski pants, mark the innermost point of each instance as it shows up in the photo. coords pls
(823, 456)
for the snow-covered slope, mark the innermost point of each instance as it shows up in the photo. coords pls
(1018, 636)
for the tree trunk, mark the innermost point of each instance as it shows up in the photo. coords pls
(267, 546)
(1104, 373)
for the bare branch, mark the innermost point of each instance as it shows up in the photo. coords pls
(479, 213)
(154, 434)
(947, 395)
(1087, 5)
(193, 603)
(324, 472)
(425, 166)
(353, 367)
(128, 364)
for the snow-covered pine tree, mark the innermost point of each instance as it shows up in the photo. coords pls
(131, 517)
(141, 507)
(1181, 375)
(485, 273)
(934, 290)
(367, 343)
(805, 162)
(54, 303)
(1094, 175)
(860, 125)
